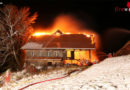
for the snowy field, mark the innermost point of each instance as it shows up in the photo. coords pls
(111, 74)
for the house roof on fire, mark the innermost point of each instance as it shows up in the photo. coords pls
(64, 41)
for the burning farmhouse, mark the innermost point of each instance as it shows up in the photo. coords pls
(60, 48)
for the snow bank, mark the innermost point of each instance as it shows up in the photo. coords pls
(111, 74)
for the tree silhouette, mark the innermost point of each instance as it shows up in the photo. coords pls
(15, 29)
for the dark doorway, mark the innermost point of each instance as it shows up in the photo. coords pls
(72, 55)
(49, 63)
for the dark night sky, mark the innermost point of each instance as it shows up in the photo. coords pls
(98, 15)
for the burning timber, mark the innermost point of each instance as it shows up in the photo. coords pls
(59, 48)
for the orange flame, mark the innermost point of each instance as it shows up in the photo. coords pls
(87, 35)
(58, 34)
(39, 34)
(68, 33)
(68, 24)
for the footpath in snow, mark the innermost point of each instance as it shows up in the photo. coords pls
(111, 74)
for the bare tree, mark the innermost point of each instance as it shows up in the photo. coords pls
(15, 28)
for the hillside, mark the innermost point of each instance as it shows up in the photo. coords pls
(111, 74)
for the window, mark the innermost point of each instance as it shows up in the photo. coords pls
(33, 53)
(55, 53)
(40, 54)
(49, 63)
(48, 53)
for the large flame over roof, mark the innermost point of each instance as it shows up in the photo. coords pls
(68, 24)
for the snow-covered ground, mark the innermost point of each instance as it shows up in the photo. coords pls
(111, 74)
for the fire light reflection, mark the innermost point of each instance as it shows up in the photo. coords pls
(40, 34)
(57, 34)
(70, 25)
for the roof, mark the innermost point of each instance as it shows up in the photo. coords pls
(125, 50)
(64, 41)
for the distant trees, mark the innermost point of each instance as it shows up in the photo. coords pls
(15, 29)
